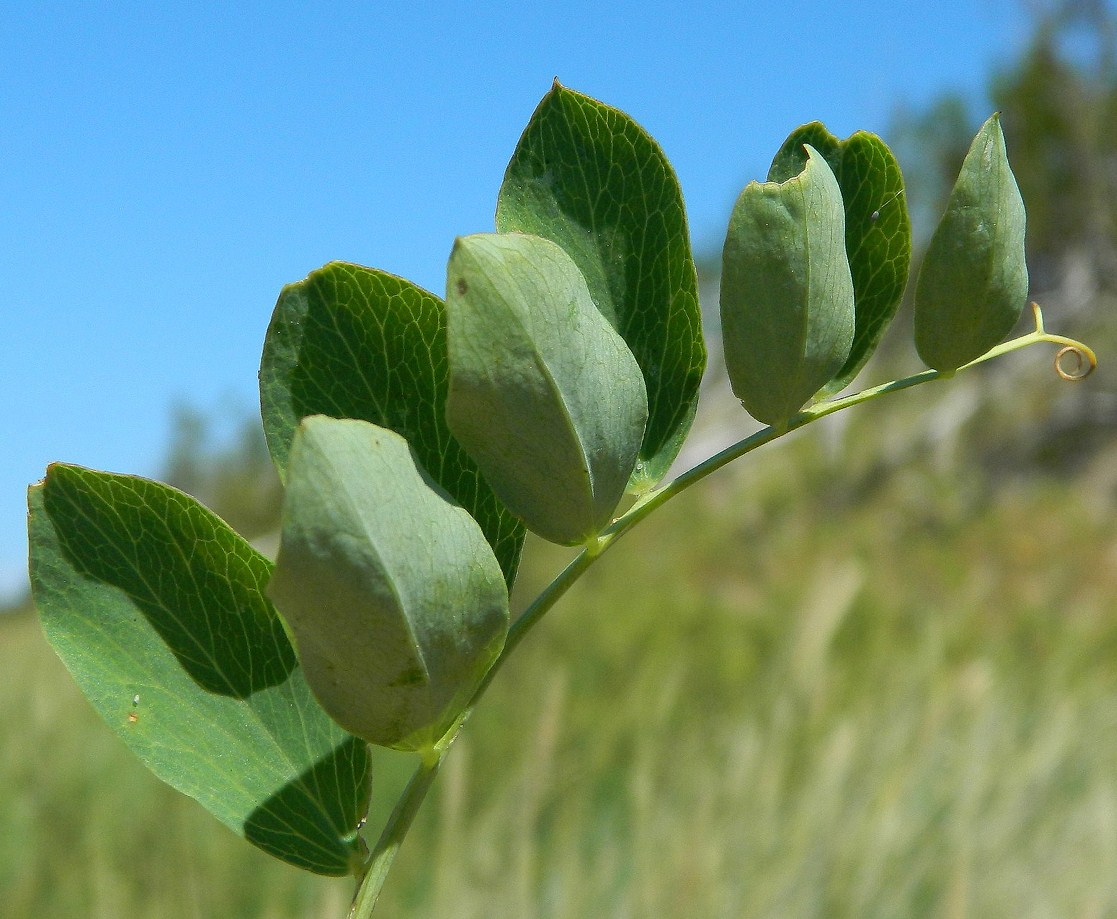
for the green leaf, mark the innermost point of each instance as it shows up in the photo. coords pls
(353, 342)
(157, 610)
(787, 307)
(397, 603)
(973, 282)
(544, 394)
(587, 177)
(877, 229)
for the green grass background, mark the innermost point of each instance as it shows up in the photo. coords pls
(820, 684)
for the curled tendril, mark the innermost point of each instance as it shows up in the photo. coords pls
(1084, 363)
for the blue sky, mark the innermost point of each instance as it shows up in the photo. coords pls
(166, 169)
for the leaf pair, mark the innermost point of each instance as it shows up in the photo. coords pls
(802, 313)
(353, 342)
(158, 610)
(390, 534)
(575, 335)
(813, 270)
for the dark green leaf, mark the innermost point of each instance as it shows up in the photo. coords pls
(157, 609)
(544, 394)
(877, 229)
(397, 603)
(786, 292)
(353, 342)
(589, 178)
(973, 282)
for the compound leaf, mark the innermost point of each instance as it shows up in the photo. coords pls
(787, 307)
(353, 342)
(397, 603)
(544, 394)
(973, 282)
(590, 179)
(877, 229)
(157, 610)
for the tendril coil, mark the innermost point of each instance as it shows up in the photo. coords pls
(1074, 364)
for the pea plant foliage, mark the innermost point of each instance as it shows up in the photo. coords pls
(419, 437)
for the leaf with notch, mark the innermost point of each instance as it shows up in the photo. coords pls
(353, 342)
(589, 178)
(157, 609)
(877, 229)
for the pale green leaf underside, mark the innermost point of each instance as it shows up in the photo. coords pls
(787, 305)
(877, 229)
(973, 282)
(590, 179)
(397, 603)
(157, 610)
(353, 342)
(544, 394)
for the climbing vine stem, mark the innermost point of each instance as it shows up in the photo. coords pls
(1074, 361)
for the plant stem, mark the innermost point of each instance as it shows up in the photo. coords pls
(660, 496)
(392, 837)
(398, 824)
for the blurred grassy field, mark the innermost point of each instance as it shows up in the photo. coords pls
(809, 688)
